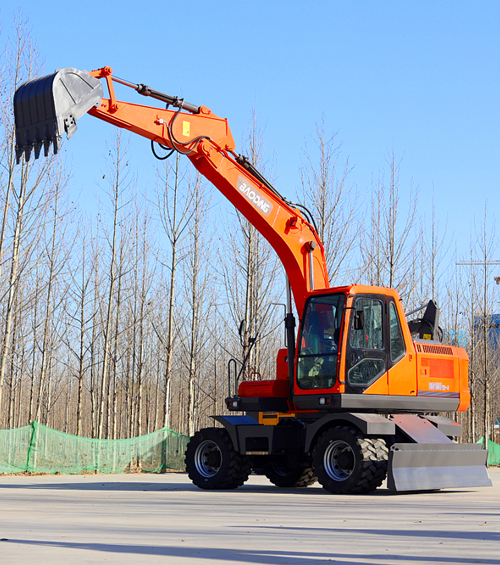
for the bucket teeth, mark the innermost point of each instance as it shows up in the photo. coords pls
(47, 107)
(56, 143)
(27, 152)
(46, 147)
(37, 146)
(19, 153)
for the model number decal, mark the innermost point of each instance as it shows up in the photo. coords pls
(439, 386)
(254, 196)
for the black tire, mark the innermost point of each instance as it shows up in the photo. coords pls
(278, 471)
(213, 463)
(346, 462)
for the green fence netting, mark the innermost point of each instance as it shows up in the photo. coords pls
(39, 449)
(493, 452)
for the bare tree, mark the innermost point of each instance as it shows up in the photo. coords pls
(484, 360)
(54, 257)
(118, 185)
(143, 277)
(332, 201)
(80, 315)
(387, 248)
(23, 196)
(199, 279)
(174, 205)
(250, 272)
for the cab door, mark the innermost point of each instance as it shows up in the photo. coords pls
(366, 348)
(402, 377)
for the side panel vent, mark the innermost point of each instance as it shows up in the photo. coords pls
(435, 349)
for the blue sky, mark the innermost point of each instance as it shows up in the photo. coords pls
(420, 77)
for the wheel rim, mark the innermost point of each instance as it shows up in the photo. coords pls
(339, 460)
(280, 471)
(208, 458)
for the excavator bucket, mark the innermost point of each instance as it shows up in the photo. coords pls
(46, 107)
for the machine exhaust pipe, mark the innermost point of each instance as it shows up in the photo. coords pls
(46, 107)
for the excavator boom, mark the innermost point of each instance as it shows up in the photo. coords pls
(45, 108)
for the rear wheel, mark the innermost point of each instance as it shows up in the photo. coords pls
(213, 463)
(346, 462)
(279, 471)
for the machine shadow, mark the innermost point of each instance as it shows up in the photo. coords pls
(268, 489)
(449, 535)
(269, 557)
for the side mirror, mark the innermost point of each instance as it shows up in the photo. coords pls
(243, 328)
(359, 320)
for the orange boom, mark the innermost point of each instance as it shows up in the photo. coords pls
(358, 390)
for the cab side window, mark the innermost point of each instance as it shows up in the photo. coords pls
(398, 348)
(370, 336)
(367, 343)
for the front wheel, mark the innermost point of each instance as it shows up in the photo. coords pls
(213, 463)
(346, 462)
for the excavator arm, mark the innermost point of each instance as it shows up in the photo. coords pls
(47, 107)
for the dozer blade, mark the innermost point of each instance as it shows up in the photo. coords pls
(46, 107)
(430, 466)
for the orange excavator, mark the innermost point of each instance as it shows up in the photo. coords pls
(358, 388)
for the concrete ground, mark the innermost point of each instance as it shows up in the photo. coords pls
(165, 519)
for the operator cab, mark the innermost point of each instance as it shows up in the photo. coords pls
(374, 341)
(348, 342)
(354, 352)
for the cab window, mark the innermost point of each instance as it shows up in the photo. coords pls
(319, 341)
(370, 336)
(366, 340)
(396, 335)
